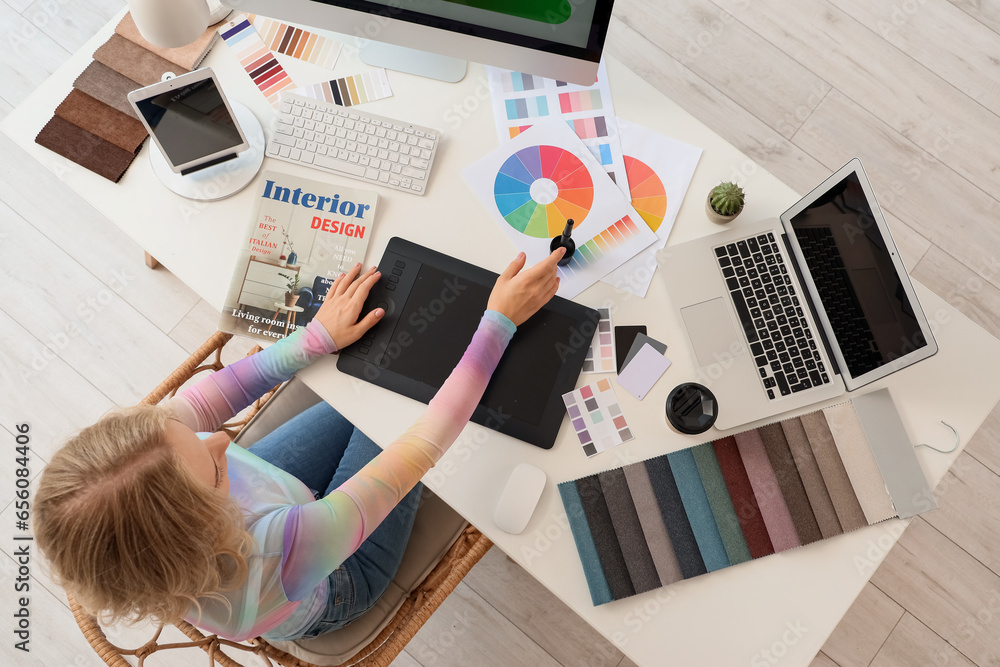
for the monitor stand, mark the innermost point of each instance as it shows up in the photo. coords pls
(413, 61)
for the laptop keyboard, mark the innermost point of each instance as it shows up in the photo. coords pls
(780, 339)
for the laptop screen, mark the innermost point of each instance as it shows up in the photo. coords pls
(858, 285)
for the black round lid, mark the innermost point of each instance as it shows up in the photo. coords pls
(691, 408)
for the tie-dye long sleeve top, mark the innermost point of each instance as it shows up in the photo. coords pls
(300, 540)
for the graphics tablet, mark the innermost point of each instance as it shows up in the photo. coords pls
(433, 305)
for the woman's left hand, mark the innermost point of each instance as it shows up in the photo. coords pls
(342, 307)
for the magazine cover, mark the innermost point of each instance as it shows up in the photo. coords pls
(304, 233)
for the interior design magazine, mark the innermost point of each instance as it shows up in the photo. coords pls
(303, 234)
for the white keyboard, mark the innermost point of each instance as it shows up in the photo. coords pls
(353, 143)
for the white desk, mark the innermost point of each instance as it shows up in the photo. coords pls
(788, 603)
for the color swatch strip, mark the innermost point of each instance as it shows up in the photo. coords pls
(260, 64)
(296, 42)
(350, 90)
(601, 355)
(519, 82)
(580, 100)
(527, 107)
(721, 503)
(601, 244)
(596, 417)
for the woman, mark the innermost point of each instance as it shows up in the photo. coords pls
(145, 515)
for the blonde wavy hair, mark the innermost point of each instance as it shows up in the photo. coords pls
(129, 531)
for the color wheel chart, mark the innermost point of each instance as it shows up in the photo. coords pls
(539, 188)
(649, 197)
(521, 100)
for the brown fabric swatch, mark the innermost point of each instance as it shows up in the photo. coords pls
(790, 483)
(85, 149)
(188, 57)
(108, 86)
(131, 60)
(812, 478)
(859, 461)
(838, 483)
(102, 121)
(744, 500)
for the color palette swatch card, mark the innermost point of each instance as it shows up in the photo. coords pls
(350, 90)
(296, 42)
(521, 99)
(659, 171)
(725, 502)
(639, 375)
(640, 340)
(601, 355)
(596, 417)
(260, 64)
(534, 183)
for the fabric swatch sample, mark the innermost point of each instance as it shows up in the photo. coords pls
(638, 560)
(722, 505)
(653, 528)
(133, 61)
(605, 540)
(598, 585)
(102, 120)
(108, 86)
(860, 462)
(791, 485)
(674, 517)
(91, 152)
(772, 505)
(699, 512)
(838, 483)
(812, 478)
(743, 498)
(187, 57)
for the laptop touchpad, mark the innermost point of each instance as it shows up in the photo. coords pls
(710, 330)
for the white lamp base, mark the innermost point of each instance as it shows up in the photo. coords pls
(221, 180)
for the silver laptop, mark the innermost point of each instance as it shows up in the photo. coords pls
(784, 313)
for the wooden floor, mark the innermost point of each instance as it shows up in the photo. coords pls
(801, 86)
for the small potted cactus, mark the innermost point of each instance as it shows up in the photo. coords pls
(724, 202)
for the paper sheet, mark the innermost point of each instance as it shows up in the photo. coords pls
(520, 100)
(659, 172)
(642, 373)
(640, 340)
(536, 181)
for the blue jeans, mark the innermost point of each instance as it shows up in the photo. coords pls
(321, 448)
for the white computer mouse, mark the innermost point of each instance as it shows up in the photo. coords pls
(519, 498)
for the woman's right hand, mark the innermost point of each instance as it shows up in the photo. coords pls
(519, 294)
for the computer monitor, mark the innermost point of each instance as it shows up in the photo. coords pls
(558, 39)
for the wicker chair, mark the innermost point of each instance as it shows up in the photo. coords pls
(416, 607)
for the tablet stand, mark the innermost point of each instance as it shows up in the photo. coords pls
(221, 180)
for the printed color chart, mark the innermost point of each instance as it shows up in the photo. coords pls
(532, 184)
(587, 110)
(523, 191)
(351, 90)
(296, 42)
(601, 355)
(597, 417)
(649, 198)
(260, 64)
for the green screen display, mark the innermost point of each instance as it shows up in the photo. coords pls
(544, 11)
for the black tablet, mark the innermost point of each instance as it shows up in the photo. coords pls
(433, 305)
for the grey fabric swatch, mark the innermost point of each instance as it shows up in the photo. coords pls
(661, 477)
(605, 539)
(638, 560)
(653, 528)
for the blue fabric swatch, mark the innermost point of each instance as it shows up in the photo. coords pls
(674, 517)
(599, 591)
(698, 509)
